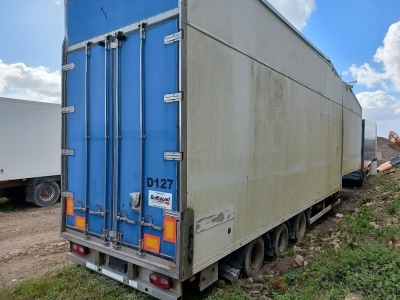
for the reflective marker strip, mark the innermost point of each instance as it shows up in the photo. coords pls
(152, 243)
(133, 283)
(70, 206)
(112, 275)
(80, 222)
(92, 266)
(169, 230)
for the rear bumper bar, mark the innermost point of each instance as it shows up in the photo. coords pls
(137, 283)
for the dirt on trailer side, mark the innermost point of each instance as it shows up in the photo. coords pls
(29, 241)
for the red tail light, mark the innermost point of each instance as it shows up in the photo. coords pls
(161, 281)
(78, 249)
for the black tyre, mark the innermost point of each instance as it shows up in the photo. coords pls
(254, 257)
(281, 239)
(46, 194)
(301, 226)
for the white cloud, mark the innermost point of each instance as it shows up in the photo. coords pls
(382, 108)
(23, 82)
(389, 56)
(296, 11)
(58, 2)
(366, 75)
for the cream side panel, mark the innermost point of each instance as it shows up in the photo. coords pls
(252, 27)
(30, 139)
(258, 143)
(350, 101)
(352, 140)
(352, 135)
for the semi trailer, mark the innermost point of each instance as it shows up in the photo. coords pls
(30, 142)
(198, 136)
(369, 134)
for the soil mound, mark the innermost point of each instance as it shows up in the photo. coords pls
(387, 148)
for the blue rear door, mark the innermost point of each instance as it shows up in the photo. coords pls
(123, 172)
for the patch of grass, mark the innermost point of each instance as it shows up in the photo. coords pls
(359, 224)
(71, 283)
(368, 199)
(371, 270)
(288, 253)
(229, 291)
(290, 275)
(392, 209)
(278, 285)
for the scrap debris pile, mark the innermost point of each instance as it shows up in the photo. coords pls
(390, 153)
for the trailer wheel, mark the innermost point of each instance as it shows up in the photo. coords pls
(46, 194)
(254, 257)
(281, 239)
(301, 226)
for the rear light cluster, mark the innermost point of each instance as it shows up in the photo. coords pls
(161, 281)
(78, 249)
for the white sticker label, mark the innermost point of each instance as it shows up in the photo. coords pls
(160, 199)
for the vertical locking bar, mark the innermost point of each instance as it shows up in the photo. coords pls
(117, 134)
(142, 28)
(87, 137)
(116, 139)
(106, 133)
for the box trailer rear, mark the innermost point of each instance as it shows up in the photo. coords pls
(197, 137)
(30, 160)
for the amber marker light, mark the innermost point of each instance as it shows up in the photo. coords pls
(70, 206)
(151, 243)
(169, 230)
(80, 222)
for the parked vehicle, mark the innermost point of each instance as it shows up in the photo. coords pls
(198, 137)
(368, 155)
(30, 160)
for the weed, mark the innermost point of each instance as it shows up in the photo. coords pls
(278, 285)
(288, 253)
(392, 209)
(368, 199)
(290, 275)
(360, 224)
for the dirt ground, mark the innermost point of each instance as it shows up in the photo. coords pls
(29, 242)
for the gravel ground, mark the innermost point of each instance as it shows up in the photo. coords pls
(30, 243)
(387, 148)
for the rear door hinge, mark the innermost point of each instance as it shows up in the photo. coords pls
(172, 214)
(178, 156)
(176, 97)
(67, 109)
(172, 38)
(68, 152)
(68, 67)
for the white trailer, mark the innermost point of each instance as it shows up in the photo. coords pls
(202, 134)
(30, 151)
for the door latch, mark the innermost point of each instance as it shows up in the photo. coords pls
(98, 211)
(123, 216)
(150, 223)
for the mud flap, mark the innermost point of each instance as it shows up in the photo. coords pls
(231, 266)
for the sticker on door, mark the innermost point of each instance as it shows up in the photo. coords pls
(160, 199)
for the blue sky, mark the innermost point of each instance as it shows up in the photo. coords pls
(361, 37)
